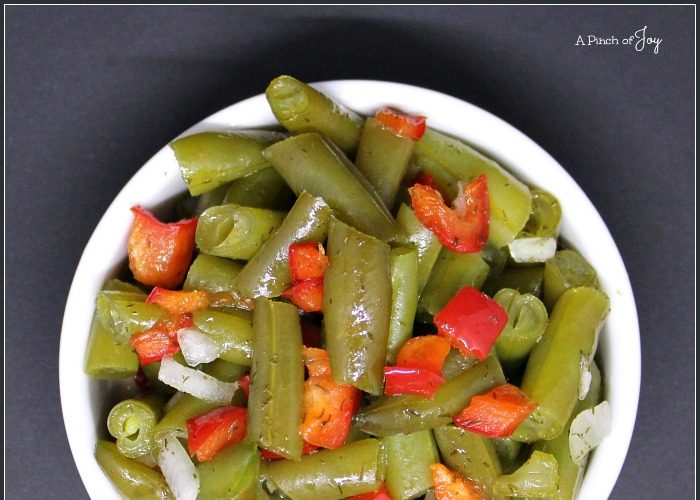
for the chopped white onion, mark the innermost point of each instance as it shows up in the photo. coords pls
(587, 431)
(459, 203)
(197, 347)
(196, 383)
(532, 249)
(584, 383)
(178, 469)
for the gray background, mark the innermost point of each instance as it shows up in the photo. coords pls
(93, 92)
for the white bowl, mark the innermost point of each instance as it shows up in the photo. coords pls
(84, 400)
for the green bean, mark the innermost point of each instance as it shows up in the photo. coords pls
(509, 198)
(452, 272)
(470, 454)
(262, 189)
(567, 269)
(234, 231)
(405, 414)
(545, 216)
(455, 364)
(301, 108)
(126, 313)
(404, 299)
(133, 479)
(527, 320)
(132, 423)
(571, 473)
(553, 370)
(211, 273)
(508, 451)
(309, 162)
(276, 379)
(228, 372)
(267, 273)
(231, 474)
(174, 421)
(383, 157)
(408, 460)
(107, 360)
(536, 478)
(352, 469)
(524, 279)
(232, 332)
(357, 307)
(210, 159)
(207, 200)
(423, 239)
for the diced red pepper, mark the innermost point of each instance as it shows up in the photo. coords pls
(244, 384)
(160, 341)
(450, 485)
(497, 413)
(307, 261)
(472, 321)
(307, 295)
(462, 229)
(160, 253)
(328, 406)
(380, 494)
(210, 432)
(428, 180)
(176, 301)
(402, 124)
(418, 381)
(269, 455)
(428, 352)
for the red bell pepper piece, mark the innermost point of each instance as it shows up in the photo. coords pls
(328, 406)
(401, 124)
(244, 384)
(307, 261)
(418, 381)
(160, 341)
(307, 295)
(176, 301)
(472, 321)
(160, 253)
(210, 432)
(462, 229)
(450, 485)
(497, 413)
(269, 455)
(427, 352)
(380, 494)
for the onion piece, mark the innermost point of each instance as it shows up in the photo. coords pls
(196, 383)
(532, 249)
(178, 469)
(586, 376)
(197, 347)
(587, 430)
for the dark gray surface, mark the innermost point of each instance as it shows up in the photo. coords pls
(93, 92)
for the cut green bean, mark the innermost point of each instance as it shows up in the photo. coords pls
(554, 368)
(210, 159)
(132, 423)
(524, 279)
(229, 372)
(383, 157)
(527, 320)
(133, 479)
(509, 198)
(508, 451)
(233, 332)
(545, 216)
(234, 231)
(207, 200)
(267, 273)
(423, 239)
(357, 307)
(352, 469)
(567, 269)
(455, 364)
(262, 189)
(404, 299)
(408, 460)
(536, 478)
(452, 272)
(470, 454)
(211, 273)
(276, 379)
(309, 162)
(405, 414)
(107, 360)
(232, 474)
(174, 421)
(126, 313)
(301, 108)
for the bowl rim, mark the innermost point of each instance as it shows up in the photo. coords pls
(522, 156)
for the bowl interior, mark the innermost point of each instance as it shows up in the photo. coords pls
(84, 401)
